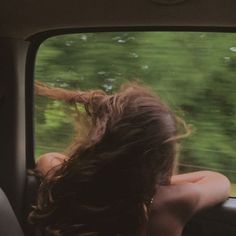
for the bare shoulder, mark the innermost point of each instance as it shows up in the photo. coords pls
(188, 193)
(178, 200)
(172, 208)
(48, 161)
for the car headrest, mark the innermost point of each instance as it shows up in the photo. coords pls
(9, 225)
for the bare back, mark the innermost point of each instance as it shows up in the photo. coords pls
(173, 205)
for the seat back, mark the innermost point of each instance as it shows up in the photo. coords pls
(9, 225)
(32, 185)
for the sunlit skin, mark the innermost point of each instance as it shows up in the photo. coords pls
(173, 205)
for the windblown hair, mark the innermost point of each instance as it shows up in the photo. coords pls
(109, 179)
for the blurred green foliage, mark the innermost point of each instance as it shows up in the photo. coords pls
(194, 72)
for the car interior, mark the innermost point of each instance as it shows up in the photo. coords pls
(24, 25)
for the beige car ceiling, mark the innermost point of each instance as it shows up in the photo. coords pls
(23, 18)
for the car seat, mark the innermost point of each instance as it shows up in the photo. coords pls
(9, 225)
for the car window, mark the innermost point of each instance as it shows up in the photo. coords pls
(192, 71)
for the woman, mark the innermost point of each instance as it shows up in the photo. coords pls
(117, 179)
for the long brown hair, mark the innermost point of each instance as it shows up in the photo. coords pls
(112, 171)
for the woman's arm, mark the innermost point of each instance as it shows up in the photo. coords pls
(48, 161)
(176, 203)
(207, 187)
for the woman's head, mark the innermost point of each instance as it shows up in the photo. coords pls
(112, 171)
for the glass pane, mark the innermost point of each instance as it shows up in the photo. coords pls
(192, 71)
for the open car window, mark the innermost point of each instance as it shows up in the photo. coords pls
(192, 71)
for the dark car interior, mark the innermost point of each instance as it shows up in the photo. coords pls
(23, 26)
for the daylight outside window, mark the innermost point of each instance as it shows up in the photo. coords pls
(194, 72)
